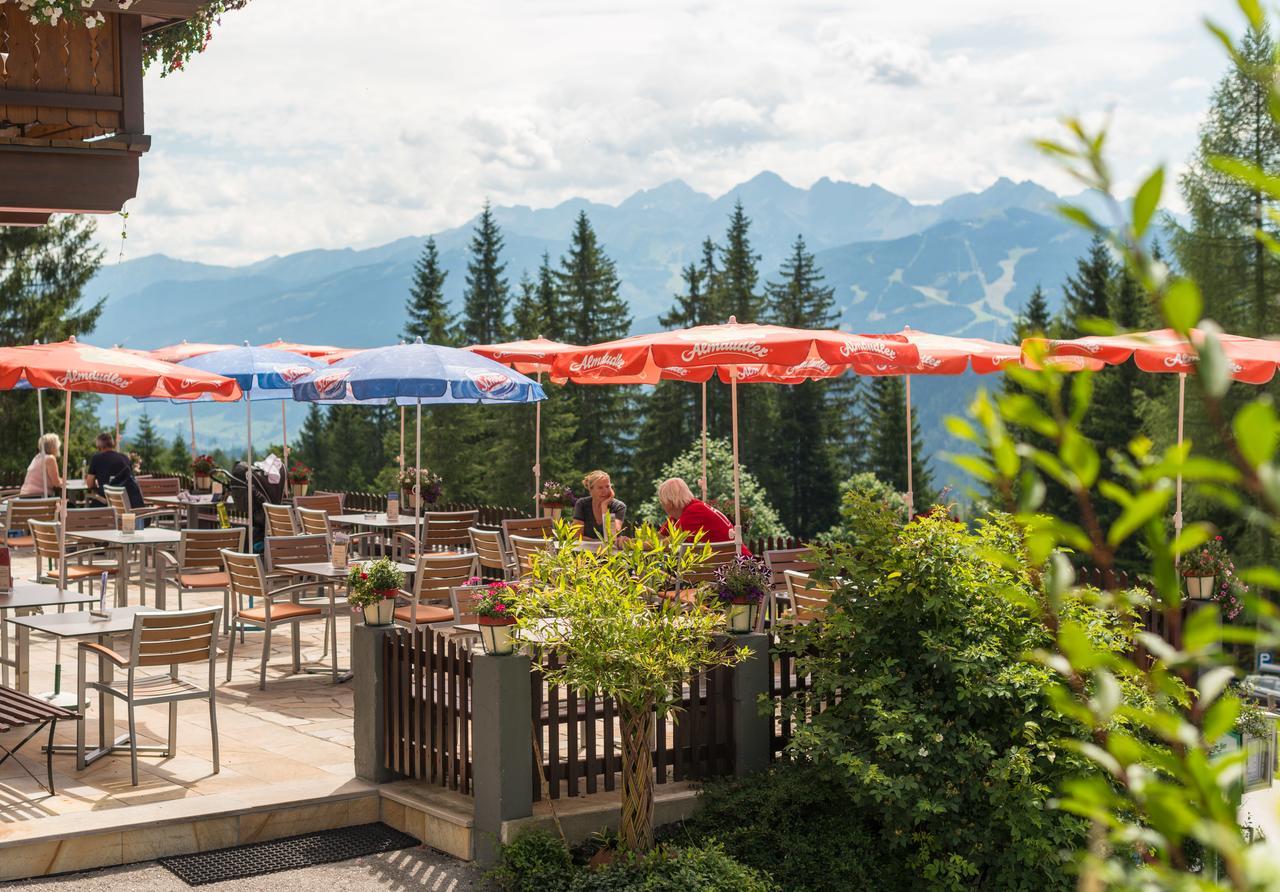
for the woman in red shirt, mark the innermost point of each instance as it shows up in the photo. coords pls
(691, 515)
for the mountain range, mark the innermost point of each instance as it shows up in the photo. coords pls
(963, 266)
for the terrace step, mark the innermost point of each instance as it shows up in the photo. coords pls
(93, 839)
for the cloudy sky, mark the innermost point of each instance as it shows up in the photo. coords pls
(309, 125)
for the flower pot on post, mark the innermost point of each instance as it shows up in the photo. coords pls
(495, 634)
(299, 479)
(201, 469)
(741, 585)
(299, 489)
(373, 588)
(1200, 588)
(554, 498)
(552, 511)
(741, 613)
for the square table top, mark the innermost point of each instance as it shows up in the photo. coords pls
(373, 520)
(77, 484)
(26, 594)
(328, 570)
(146, 536)
(83, 623)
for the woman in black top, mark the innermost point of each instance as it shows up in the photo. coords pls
(589, 511)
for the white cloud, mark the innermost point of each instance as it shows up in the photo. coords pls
(355, 130)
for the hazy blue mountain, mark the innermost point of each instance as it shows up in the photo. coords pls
(964, 266)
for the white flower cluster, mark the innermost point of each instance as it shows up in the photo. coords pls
(50, 11)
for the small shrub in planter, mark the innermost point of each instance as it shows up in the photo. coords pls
(741, 586)
(373, 588)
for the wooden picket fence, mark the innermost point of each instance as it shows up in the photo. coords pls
(578, 736)
(428, 708)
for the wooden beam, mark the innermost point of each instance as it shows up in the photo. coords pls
(23, 218)
(72, 181)
(130, 40)
(49, 99)
(163, 9)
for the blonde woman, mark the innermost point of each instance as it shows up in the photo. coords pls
(43, 480)
(590, 510)
(692, 515)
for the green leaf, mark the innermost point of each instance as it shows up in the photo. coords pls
(1248, 174)
(1257, 430)
(1079, 216)
(1183, 305)
(1214, 682)
(1253, 11)
(1215, 371)
(1146, 201)
(1202, 628)
(1144, 506)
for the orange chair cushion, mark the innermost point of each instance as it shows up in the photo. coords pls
(426, 614)
(20, 542)
(204, 580)
(84, 571)
(279, 612)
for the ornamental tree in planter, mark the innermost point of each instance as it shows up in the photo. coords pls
(619, 637)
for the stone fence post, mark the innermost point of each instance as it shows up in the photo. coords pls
(370, 683)
(752, 732)
(501, 747)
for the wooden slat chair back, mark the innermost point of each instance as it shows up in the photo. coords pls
(780, 560)
(272, 607)
(809, 598)
(20, 512)
(78, 566)
(313, 522)
(487, 544)
(434, 576)
(169, 638)
(721, 553)
(197, 566)
(523, 549)
(80, 520)
(529, 527)
(448, 528)
(150, 487)
(280, 520)
(328, 502)
(118, 500)
(303, 549)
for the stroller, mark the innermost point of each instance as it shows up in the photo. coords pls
(264, 491)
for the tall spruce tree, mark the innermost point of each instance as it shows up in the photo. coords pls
(178, 459)
(428, 310)
(487, 292)
(43, 274)
(887, 455)
(595, 311)
(1087, 294)
(801, 464)
(148, 445)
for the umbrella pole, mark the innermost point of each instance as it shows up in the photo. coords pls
(284, 437)
(44, 466)
(537, 451)
(62, 548)
(737, 505)
(118, 443)
(191, 417)
(704, 442)
(248, 477)
(402, 438)
(911, 496)
(417, 485)
(1177, 510)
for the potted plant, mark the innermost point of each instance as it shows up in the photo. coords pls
(136, 461)
(420, 486)
(554, 498)
(496, 613)
(1202, 566)
(373, 588)
(299, 479)
(201, 469)
(740, 586)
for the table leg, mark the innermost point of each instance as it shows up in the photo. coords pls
(160, 592)
(4, 648)
(122, 577)
(23, 657)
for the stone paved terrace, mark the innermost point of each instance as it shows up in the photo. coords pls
(299, 729)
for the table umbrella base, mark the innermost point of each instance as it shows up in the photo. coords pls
(65, 699)
(119, 747)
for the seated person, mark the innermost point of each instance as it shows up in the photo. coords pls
(691, 515)
(589, 511)
(43, 479)
(111, 468)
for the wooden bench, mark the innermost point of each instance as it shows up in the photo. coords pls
(18, 710)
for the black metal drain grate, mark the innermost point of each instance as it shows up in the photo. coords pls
(323, 847)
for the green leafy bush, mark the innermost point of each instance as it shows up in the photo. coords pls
(539, 862)
(535, 861)
(794, 823)
(945, 739)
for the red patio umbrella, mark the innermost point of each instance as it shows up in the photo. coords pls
(179, 352)
(1163, 351)
(938, 355)
(313, 350)
(702, 350)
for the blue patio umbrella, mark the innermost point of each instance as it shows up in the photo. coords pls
(263, 374)
(417, 374)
